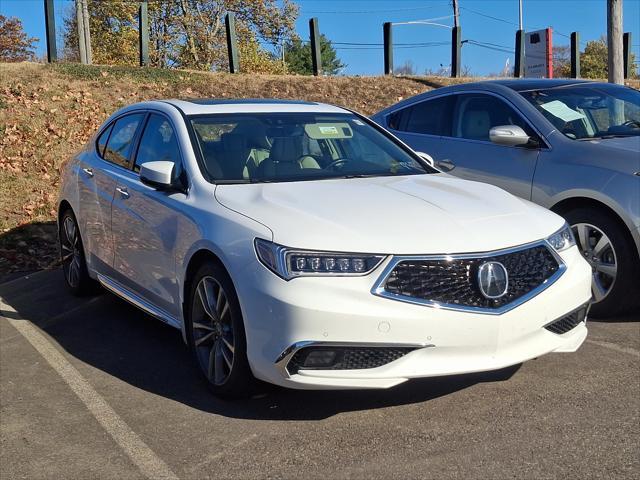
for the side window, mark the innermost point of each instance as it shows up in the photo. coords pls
(118, 149)
(429, 117)
(476, 114)
(158, 143)
(102, 140)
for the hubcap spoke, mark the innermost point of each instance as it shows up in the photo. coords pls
(583, 237)
(219, 374)
(205, 338)
(202, 326)
(599, 292)
(204, 299)
(608, 269)
(601, 245)
(228, 345)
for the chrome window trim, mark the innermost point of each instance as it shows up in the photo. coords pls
(287, 354)
(546, 145)
(379, 290)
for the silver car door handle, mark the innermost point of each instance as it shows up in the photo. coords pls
(445, 165)
(88, 171)
(122, 191)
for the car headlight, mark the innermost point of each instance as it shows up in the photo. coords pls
(562, 239)
(289, 263)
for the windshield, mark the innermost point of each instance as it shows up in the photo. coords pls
(278, 147)
(585, 112)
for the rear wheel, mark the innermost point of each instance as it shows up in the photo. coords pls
(215, 331)
(613, 258)
(74, 265)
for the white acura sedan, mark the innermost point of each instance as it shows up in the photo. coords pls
(301, 244)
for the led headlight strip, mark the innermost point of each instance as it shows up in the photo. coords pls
(289, 263)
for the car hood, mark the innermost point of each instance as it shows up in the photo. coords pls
(630, 144)
(416, 214)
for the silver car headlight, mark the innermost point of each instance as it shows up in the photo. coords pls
(562, 239)
(290, 263)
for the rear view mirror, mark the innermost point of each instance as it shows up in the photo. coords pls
(157, 174)
(427, 158)
(510, 135)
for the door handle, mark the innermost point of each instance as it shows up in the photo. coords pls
(122, 191)
(445, 165)
(88, 171)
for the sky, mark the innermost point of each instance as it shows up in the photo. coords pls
(348, 22)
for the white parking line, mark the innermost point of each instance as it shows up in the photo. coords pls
(139, 452)
(613, 346)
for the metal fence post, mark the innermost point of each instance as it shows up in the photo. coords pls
(314, 36)
(50, 27)
(232, 42)
(456, 51)
(575, 55)
(388, 48)
(626, 53)
(143, 33)
(518, 70)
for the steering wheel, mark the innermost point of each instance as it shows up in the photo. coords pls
(631, 123)
(336, 162)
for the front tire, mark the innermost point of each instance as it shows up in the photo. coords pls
(215, 332)
(613, 259)
(74, 265)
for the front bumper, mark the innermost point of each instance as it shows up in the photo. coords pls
(341, 310)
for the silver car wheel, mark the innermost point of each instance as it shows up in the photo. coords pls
(70, 251)
(598, 251)
(213, 336)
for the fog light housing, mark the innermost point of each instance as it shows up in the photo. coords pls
(319, 359)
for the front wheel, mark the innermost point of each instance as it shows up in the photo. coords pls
(613, 258)
(215, 332)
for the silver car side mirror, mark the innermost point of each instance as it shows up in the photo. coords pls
(157, 174)
(427, 158)
(511, 135)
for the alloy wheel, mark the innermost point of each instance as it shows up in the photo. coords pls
(213, 335)
(598, 251)
(70, 251)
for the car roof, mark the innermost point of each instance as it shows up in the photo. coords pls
(251, 105)
(504, 86)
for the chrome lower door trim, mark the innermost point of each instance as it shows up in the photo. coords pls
(137, 301)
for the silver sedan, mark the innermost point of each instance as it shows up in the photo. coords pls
(572, 146)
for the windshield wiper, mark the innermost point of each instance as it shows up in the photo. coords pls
(609, 135)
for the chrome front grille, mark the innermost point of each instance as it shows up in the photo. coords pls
(451, 281)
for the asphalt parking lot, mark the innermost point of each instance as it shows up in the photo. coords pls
(92, 388)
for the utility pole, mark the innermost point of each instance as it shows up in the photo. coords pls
(87, 31)
(615, 61)
(518, 70)
(456, 42)
(81, 41)
(50, 27)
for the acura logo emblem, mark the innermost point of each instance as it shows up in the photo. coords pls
(493, 280)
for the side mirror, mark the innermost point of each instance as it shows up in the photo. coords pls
(157, 174)
(427, 158)
(510, 135)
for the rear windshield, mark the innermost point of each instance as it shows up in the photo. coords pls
(268, 147)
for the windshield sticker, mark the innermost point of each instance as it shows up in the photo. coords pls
(328, 130)
(358, 122)
(336, 130)
(562, 111)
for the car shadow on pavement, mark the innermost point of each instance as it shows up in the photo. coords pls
(108, 334)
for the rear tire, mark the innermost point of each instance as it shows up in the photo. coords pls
(215, 333)
(72, 256)
(613, 258)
